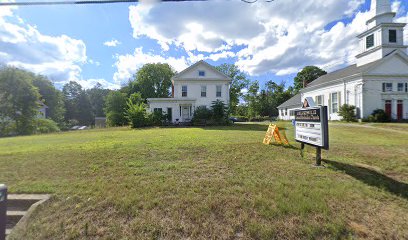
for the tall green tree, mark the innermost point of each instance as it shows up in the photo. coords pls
(52, 97)
(306, 76)
(71, 92)
(239, 82)
(115, 108)
(77, 103)
(85, 112)
(97, 96)
(18, 101)
(252, 99)
(153, 80)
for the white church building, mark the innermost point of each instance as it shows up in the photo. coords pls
(378, 80)
(199, 85)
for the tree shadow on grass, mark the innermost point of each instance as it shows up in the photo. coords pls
(372, 178)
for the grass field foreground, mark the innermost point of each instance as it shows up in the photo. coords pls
(211, 183)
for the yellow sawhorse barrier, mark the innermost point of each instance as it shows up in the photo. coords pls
(273, 133)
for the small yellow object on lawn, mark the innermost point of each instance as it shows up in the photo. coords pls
(273, 132)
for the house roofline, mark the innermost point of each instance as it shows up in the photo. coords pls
(176, 77)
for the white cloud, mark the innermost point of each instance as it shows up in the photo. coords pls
(112, 43)
(90, 83)
(58, 57)
(279, 37)
(128, 64)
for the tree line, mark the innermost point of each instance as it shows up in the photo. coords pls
(22, 93)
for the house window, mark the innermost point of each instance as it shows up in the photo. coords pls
(370, 41)
(400, 87)
(292, 113)
(158, 110)
(286, 112)
(387, 87)
(335, 102)
(203, 91)
(319, 100)
(219, 87)
(201, 73)
(184, 91)
(392, 35)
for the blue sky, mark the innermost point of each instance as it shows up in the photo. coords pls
(269, 41)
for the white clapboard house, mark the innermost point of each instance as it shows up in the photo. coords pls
(199, 85)
(287, 109)
(378, 80)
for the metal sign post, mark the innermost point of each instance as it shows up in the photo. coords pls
(3, 211)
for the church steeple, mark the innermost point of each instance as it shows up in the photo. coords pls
(380, 11)
(383, 35)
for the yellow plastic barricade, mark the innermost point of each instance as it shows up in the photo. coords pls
(273, 133)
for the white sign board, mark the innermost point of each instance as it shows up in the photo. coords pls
(311, 126)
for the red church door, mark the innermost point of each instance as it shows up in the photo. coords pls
(400, 106)
(388, 108)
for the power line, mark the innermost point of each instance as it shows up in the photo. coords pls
(80, 2)
(98, 2)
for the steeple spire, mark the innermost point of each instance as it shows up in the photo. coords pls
(380, 12)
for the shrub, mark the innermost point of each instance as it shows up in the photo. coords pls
(158, 118)
(378, 115)
(219, 112)
(7, 127)
(201, 114)
(137, 115)
(348, 113)
(45, 126)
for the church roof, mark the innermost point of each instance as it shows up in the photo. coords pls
(342, 73)
(294, 102)
(350, 71)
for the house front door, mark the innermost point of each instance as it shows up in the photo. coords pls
(400, 108)
(186, 113)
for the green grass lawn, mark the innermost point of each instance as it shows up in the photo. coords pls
(211, 183)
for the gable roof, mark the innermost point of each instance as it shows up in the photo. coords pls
(198, 63)
(342, 73)
(351, 70)
(295, 101)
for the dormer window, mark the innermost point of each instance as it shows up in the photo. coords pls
(370, 41)
(201, 73)
(392, 36)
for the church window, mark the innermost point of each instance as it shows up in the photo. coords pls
(370, 41)
(387, 87)
(319, 100)
(400, 87)
(406, 87)
(392, 34)
(335, 102)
